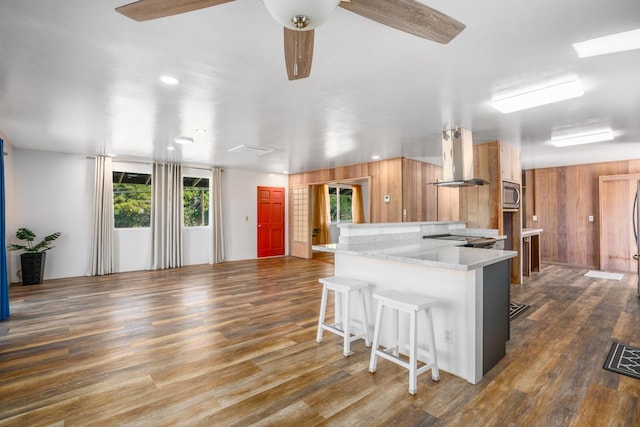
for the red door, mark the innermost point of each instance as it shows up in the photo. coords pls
(270, 221)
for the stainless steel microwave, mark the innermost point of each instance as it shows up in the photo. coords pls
(510, 195)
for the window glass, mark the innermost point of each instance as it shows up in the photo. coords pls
(340, 204)
(131, 199)
(196, 201)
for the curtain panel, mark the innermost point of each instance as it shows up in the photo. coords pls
(217, 252)
(103, 227)
(166, 216)
(357, 208)
(4, 268)
(321, 214)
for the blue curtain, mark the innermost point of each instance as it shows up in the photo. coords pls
(4, 276)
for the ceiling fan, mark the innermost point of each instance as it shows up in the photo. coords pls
(300, 17)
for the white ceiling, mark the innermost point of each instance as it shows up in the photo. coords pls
(78, 77)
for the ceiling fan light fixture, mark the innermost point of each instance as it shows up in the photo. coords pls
(301, 15)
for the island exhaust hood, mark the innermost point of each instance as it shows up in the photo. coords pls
(457, 160)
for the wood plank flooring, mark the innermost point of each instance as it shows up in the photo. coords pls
(234, 344)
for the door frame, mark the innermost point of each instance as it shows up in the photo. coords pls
(632, 179)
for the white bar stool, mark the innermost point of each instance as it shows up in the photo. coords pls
(411, 304)
(343, 287)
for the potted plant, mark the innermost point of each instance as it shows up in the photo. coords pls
(34, 256)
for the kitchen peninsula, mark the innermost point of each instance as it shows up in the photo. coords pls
(471, 285)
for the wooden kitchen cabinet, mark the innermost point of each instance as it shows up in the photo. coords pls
(481, 207)
(510, 166)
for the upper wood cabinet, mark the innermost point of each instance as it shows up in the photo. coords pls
(510, 167)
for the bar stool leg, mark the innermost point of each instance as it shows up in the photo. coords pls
(323, 309)
(413, 350)
(346, 324)
(435, 373)
(395, 326)
(376, 336)
(365, 324)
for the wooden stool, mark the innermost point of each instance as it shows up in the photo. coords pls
(411, 304)
(343, 286)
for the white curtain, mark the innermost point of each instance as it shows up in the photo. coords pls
(166, 216)
(216, 217)
(102, 246)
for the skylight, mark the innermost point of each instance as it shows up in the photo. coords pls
(619, 42)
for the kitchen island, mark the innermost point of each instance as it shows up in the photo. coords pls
(471, 285)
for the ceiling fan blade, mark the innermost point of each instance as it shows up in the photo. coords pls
(146, 10)
(409, 16)
(298, 53)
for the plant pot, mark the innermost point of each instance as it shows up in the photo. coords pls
(32, 267)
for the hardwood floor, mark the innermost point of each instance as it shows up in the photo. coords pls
(234, 344)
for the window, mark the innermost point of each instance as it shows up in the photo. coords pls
(196, 201)
(340, 204)
(131, 199)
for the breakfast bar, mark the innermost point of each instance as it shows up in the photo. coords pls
(470, 285)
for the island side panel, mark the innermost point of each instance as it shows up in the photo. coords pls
(495, 320)
(459, 308)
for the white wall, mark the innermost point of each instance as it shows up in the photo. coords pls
(240, 208)
(49, 192)
(53, 192)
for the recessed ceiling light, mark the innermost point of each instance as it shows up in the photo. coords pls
(375, 157)
(540, 95)
(285, 172)
(171, 148)
(169, 80)
(200, 130)
(583, 138)
(183, 140)
(619, 42)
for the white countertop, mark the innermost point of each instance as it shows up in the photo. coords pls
(526, 232)
(429, 252)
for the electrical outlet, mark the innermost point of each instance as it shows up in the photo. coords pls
(535, 218)
(590, 218)
(387, 198)
(448, 336)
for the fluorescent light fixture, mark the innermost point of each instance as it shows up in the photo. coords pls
(169, 80)
(200, 130)
(582, 138)
(376, 157)
(620, 42)
(183, 140)
(534, 97)
(170, 148)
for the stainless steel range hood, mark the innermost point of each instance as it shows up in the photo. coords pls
(457, 160)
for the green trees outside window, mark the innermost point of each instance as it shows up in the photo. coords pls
(340, 200)
(131, 200)
(196, 201)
